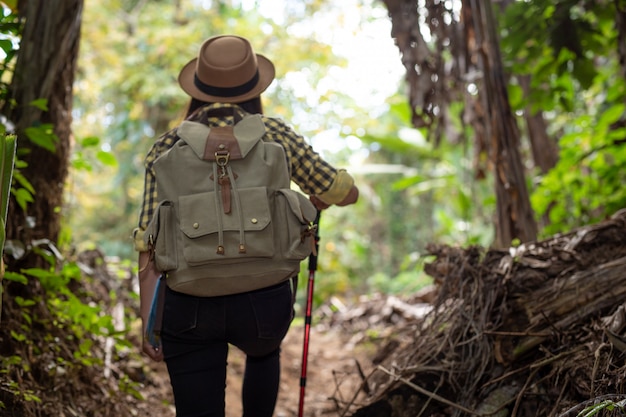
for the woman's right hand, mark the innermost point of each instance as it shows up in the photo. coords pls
(153, 352)
(319, 204)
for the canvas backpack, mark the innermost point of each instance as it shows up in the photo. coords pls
(227, 221)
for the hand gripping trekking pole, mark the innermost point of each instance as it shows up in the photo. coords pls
(309, 308)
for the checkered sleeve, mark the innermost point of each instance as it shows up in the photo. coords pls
(150, 199)
(309, 170)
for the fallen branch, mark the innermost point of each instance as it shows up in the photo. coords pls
(426, 392)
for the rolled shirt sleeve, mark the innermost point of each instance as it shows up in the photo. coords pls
(138, 242)
(339, 188)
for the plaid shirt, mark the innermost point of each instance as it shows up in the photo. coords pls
(309, 171)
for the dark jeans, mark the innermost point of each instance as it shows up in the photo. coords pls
(195, 336)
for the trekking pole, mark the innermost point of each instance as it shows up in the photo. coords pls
(309, 308)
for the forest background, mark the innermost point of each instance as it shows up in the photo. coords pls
(426, 154)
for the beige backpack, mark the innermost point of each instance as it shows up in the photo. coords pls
(227, 221)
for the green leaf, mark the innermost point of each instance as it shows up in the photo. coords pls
(21, 179)
(8, 145)
(22, 302)
(516, 96)
(23, 197)
(612, 115)
(584, 71)
(3, 236)
(42, 136)
(38, 273)
(90, 141)
(107, 158)
(549, 11)
(6, 45)
(15, 277)
(18, 336)
(41, 104)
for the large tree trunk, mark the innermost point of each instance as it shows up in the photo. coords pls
(543, 148)
(620, 23)
(45, 69)
(514, 214)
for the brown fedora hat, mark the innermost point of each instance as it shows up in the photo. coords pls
(226, 70)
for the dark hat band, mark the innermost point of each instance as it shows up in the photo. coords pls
(226, 91)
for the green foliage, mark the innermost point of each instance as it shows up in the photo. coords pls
(8, 145)
(65, 321)
(440, 181)
(130, 387)
(69, 310)
(22, 190)
(10, 29)
(604, 406)
(587, 183)
(57, 324)
(13, 387)
(569, 52)
(43, 136)
(406, 282)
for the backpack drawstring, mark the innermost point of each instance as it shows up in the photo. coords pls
(235, 191)
(218, 206)
(227, 189)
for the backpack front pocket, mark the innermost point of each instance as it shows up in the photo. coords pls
(209, 234)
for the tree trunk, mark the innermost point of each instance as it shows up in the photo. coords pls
(543, 148)
(620, 24)
(514, 214)
(45, 69)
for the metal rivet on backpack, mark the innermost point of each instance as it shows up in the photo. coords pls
(254, 220)
(222, 146)
(196, 225)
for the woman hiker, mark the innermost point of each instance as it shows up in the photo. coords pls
(226, 78)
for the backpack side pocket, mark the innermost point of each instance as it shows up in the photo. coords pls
(295, 216)
(161, 236)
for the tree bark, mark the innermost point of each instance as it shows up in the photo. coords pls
(620, 24)
(515, 218)
(45, 69)
(543, 148)
(584, 294)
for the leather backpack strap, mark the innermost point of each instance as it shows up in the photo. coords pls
(221, 142)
